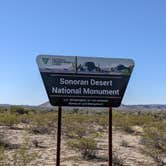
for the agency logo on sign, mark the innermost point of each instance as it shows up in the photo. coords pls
(45, 60)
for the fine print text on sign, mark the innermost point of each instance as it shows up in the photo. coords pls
(85, 81)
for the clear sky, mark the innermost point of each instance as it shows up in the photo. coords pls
(107, 28)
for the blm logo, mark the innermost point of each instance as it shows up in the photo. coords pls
(45, 60)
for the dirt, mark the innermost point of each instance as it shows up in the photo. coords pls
(127, 146)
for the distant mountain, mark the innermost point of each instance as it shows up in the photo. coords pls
(25, 106)
(5, 105)
(146, 107)
(46, 105)
(141, 107)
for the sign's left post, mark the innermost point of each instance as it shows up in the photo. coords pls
(59, 136)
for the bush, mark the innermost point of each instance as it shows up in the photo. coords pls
(86, 146)
(116, 160)
(20, 157)
(2, 140)
(8, 119)
(44, 119)
(154, 140)
(18, 110)
(43, 123)
(124, 143)
(75, 130)
(125, 120)
(40, 130)
(103, 121)
(3, 157)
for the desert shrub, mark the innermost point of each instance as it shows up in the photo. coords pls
(37, 144)
(86, 146)
(124, 143)
(3, 157)
(5, 144)
(3, 141)
(18, 110)
(75, 110)
(22, 157)
(79, 125)
(103, 121)
(19, 157)
(43, 123)
(3, 109)
(44, 119)
(121, 121)
(8, 119)
(124, 124)
(78, 118)
(75, 130)
(40, 130)
(127, 127)
(117, 160)
(26, 119)
(154, 140)
(125, 120)
(80, 129)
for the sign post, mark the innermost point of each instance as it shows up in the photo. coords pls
(110, 136)
(85, 82)
(59, 136)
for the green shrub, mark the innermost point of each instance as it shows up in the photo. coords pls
(102, 120)
(2, 140)
(125, 120)
(18, 110)
(22, 157)
(74, 130)
(86, 146)
(154, 140)
(19, 157)
(8, 119)
(43, 123)
(44, 119)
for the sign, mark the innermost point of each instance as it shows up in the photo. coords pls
(85, 81)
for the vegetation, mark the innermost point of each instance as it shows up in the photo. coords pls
(154, 139)
(125, 120)
(20, 157)
(117, 160)
(86, 146)
(81, 130)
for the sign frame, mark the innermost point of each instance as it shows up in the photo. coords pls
(85, 81)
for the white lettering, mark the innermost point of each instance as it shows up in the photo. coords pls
(64, 81)
(89, 91)
(100, 83)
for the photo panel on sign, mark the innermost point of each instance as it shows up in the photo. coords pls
(106, 66)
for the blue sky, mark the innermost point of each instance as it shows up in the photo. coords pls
(107, 28)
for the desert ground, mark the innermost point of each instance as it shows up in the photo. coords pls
(29, 138)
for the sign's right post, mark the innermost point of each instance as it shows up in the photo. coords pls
(110, 136)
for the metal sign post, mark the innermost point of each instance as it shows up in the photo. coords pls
(110, 136)
(59, 136)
